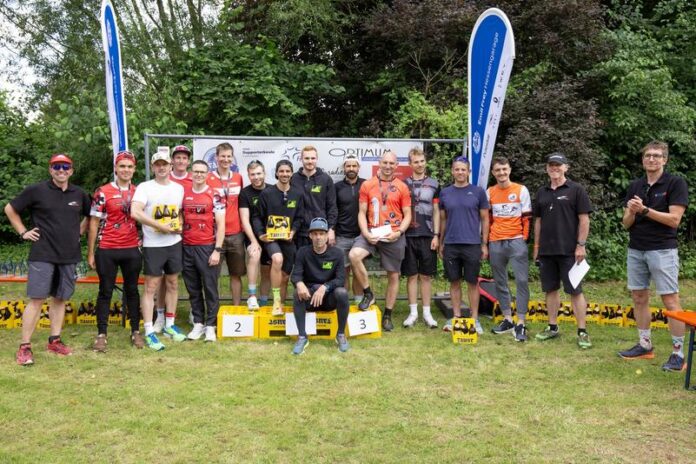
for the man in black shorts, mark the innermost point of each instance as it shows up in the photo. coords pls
(422, 241)
(59, 212)
(276, 222)
(319, 278)
(562, 211)
(256, 254)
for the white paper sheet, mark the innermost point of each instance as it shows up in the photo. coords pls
(577, 272)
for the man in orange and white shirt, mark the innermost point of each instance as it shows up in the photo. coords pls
(228, 184)
(511, 210)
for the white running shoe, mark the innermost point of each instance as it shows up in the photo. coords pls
(158, 326)
(448, 326)
(197, 332)
(479, 329)
(210, 333)
(252, 303)
(429, 321)
(411, 320)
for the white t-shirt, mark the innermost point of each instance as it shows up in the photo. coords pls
(161, 202)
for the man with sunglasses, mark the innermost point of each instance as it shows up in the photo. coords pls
(319, 195)
(203, 212)
(279, 210)
(117, 233)
(228, 184)
(319, 280)
(654, 207)
(58, 212)
(258, 260)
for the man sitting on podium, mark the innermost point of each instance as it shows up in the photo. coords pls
(319, 278)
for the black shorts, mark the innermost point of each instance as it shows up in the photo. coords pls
(287, 249)
(462, 262)
(265, 259)
(553, 270)
(419, 258)
(163, 260)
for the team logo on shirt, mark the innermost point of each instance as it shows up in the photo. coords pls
(512, 197)
(292, 204)
(73, 203)
(327, 265)
(562, 197)
(316, 189)
(255, 201)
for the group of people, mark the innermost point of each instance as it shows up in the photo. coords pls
(316, 233)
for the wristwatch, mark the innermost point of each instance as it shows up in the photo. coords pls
(219, 250)
(581, 243)
(645, 211)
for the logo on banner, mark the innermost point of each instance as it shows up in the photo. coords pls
(477, 141)
(209, 157)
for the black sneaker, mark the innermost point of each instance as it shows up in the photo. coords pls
(387, 325)
(366, 302)
(675, 363)
(520, 333)
(504, 327)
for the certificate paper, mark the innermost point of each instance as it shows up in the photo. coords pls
(577, 272)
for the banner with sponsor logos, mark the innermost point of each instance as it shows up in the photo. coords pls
(114, 88)
(331, 154)
(491, 53)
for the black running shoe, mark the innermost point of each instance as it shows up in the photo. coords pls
(366, 302)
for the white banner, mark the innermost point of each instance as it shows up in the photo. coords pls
(331, 154)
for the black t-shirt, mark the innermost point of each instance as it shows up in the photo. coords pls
(347, 196)
(559, 210)
(273, 201)
(646, 234)
(57, 214)
(312, 268)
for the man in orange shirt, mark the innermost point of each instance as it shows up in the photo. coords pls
(228, 185)
(384, 214)
(511, 210)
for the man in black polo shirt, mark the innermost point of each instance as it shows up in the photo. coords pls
(347, 227)
(319, 277)
(562, 211)
(654, 207)
(59, 212)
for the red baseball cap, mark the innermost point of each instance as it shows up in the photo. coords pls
(181, 148)
(60, 158)
(124, 155)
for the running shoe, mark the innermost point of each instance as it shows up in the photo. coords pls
(637, 352)
(505, 326)
(448, 326)
(521, 333)
(99, 345)
(368, 300)
(153, 342)
(210, 334)
(137, 340)
(429, 321)
(174, 333)
(584, 340)
(387, 324)
(411, 320)
(277, 309)
(25, 357)
(479, 329)
(547, 334)
(197, 332)
(342, 343)
(675, 363)
(58, 347)
(252, 303)
(300, 345)
(158, 325)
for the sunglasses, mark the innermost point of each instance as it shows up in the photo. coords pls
(200, 173)
(61, 167)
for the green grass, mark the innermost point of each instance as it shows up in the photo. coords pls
(411, 396)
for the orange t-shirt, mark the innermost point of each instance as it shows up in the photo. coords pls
(229, 190)
(510, 211)
(385, 201)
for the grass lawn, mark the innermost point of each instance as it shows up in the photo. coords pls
(411, 396)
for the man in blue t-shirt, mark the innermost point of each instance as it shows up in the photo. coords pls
(655, 205)
(464, 225)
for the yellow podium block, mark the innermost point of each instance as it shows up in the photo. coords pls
(363, 321)
(271, 326)
(464, 331)
(237, 323)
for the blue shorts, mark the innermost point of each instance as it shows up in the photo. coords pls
(662, 266)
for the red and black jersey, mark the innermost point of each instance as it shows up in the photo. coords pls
(199, 210)
(112, 205)
(229, 190)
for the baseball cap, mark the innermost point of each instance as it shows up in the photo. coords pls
(319, 224)
(60, 158)
(160, 156)
(181, 148)
(124, 155)
(557, 157)
(351, 157)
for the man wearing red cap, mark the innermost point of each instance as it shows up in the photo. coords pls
(117, 233)
(58, 212)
